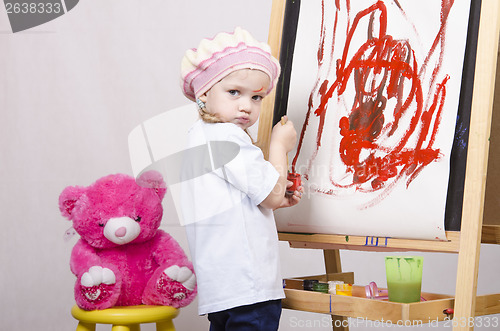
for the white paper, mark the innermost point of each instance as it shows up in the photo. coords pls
(387, 204)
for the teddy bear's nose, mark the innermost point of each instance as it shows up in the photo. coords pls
(121, 232)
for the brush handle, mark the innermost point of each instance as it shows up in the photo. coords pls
(283, 122)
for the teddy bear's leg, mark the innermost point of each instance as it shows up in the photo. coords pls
(174, 286)
(96, 288)
(182, 275)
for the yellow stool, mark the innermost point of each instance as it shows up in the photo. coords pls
(126, 318)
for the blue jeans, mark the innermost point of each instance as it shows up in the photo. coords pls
(262, 316)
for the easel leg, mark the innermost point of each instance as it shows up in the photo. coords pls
(477, 165)
(332, 265)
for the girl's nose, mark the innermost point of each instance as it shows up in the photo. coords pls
(244, 105)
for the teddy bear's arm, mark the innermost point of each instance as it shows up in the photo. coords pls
(96, 287)
(171, 255)
(86, 264)
(83, 257)
(169, 252)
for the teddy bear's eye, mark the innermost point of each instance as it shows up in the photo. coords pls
(101, 225)
(138, 219)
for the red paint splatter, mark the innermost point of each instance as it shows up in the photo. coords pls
(379, 145)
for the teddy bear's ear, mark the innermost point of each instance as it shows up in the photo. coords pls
(153, 179)
(68, 199)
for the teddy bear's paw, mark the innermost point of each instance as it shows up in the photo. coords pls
(180, 296)
(96, 284)
(97, 296)
(182, 275)
(92, 293)
(171, 291)
(98, 275)
(175, 286)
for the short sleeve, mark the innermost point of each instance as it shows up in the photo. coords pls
(249, 172)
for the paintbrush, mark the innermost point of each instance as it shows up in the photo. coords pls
(283, 122)
(291, 176)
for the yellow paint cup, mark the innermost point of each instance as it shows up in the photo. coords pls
(344, 289)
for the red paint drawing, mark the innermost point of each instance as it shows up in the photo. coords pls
(388, 126)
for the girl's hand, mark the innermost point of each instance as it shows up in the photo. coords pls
(291, 199)
(283, 140)
(284, 135)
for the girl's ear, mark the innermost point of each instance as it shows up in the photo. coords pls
(203, 97)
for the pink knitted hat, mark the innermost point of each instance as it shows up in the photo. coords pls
(216, 58)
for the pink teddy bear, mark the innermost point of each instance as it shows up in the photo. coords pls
(122, 258)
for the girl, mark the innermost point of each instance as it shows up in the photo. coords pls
(232, 234)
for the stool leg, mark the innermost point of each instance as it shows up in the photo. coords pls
(135, 327)
(82, 326)
(165, 326)
(121, 328)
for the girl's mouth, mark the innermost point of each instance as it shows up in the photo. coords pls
(243, 120)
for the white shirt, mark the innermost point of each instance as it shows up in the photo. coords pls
(233, 241)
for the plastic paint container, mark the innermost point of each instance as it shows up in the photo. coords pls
(320, 287)
(404, 278)
(295, 179)
(339, 288)
(332, 286)
(344, 289)
(309, 283)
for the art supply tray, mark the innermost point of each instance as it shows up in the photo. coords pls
(360, 307)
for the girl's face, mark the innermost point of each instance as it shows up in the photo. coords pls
(237, 98)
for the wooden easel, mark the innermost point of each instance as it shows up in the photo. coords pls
(476, 207)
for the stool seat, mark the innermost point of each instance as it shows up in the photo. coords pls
(126, 318)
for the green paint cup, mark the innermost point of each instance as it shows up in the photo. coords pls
(404, 278)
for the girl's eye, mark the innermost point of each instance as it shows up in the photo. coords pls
(233, 92)
(257, 97)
